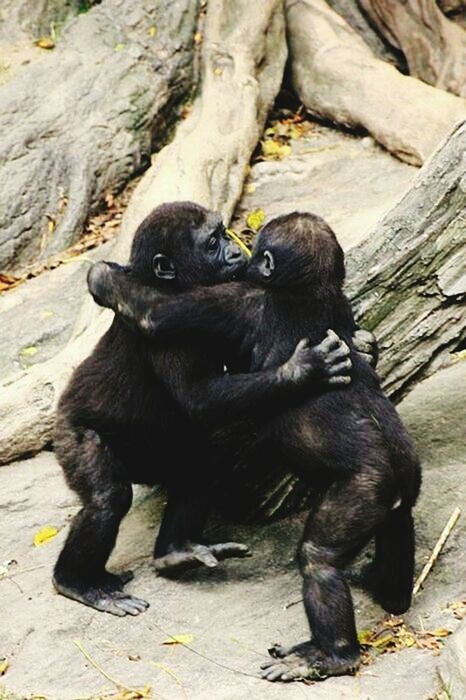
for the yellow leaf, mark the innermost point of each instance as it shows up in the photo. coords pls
(152, 31)
(179, 639)
(442, 632)
(29, 351)
(250, 188)
(197, 38)
(3, 666)
(45, 42)
(255, 219)
(45, 534)
(365, 636)
(275, 149)
(119, 47)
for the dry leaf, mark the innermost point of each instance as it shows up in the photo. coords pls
(8, 281)
(152, 31)
(275, 150)
(255, 219)
(29, 351)
(198, 38)
(45, 42)
(45, 534)
(3, 666)
(179, 639)
(118, 47)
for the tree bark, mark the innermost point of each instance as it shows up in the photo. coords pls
(243, 60)
(72, 129)
(434, 47)
(338, 78)
(408, 279)
(407, 282)
(352, 13)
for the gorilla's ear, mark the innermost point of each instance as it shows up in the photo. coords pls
(163, 266)
(267, 264)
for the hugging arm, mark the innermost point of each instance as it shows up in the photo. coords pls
(231, 396)
(230, 312)
(227, 311)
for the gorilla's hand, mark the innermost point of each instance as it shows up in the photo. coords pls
(329, 362)
(366, 344)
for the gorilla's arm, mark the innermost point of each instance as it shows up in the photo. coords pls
(231, 312)
(226, 311)
(309, 370)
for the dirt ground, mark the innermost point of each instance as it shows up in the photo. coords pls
(232, 613)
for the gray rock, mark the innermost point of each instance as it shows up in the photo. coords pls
(37, 318)
(452, 665)
(233, 612)
(72, 128)
(350, 182)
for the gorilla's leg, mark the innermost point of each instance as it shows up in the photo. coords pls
(180, 544)
(337, 529)
(96, 475)
(394, 561)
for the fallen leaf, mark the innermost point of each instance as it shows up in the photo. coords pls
(119, 47)
(30, 351)
(3, 666)
(198, 38)
(179, 639)
(45, 534)
(255, 219)
(275, 150)
(152, 31)
(8, 281)
(45, 42)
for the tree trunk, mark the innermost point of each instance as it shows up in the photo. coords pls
(408, 279)
(408, 283)
(243, 60)
(72, 129)
(434, 47)
(352, 13)
(338, 78)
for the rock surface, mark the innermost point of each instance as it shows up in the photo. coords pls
(72, 130)
(233, 612)
(349, 181)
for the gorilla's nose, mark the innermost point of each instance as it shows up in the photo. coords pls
(234, 254)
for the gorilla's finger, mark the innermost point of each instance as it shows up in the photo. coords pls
(339, 380)
(331, 341)
(364, 336)
(343, 367)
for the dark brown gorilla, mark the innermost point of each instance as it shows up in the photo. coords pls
(348, 443)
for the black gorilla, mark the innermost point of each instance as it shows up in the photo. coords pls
(128, 413)
(348, 442)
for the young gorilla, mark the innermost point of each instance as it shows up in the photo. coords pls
(127, 414)
(350, 442)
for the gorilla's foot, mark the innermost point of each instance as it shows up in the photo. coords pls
(306, 662)
(104, 594)
(193, 554)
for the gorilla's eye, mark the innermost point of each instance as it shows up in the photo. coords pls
(212, 243)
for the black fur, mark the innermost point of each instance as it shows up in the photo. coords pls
(349, 443)
(128, 414)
